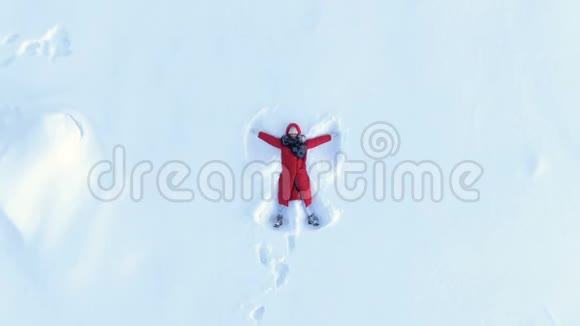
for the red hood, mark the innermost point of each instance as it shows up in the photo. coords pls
(295, 125)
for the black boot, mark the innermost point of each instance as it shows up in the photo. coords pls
(313, 220)
(279, 221)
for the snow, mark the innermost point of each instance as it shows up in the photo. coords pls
(185, 81)
(55, 43)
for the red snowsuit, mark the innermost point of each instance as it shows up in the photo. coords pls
(294, 183)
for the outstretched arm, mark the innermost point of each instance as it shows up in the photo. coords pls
(272, 140)
(317, 141)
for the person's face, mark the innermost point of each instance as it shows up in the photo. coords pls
(293, 135)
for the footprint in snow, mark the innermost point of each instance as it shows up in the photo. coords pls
(280, 271)
(290, 243)
(257, 314)
(264, 254)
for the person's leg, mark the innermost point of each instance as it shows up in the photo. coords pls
(312, 219)
(302, 183)
(282, 209)
(307, 209)
(280, 216)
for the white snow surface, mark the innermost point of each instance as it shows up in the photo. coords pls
(491, 82)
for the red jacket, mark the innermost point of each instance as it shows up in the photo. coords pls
(294, 183)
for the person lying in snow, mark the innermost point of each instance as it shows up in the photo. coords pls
(294, 183)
